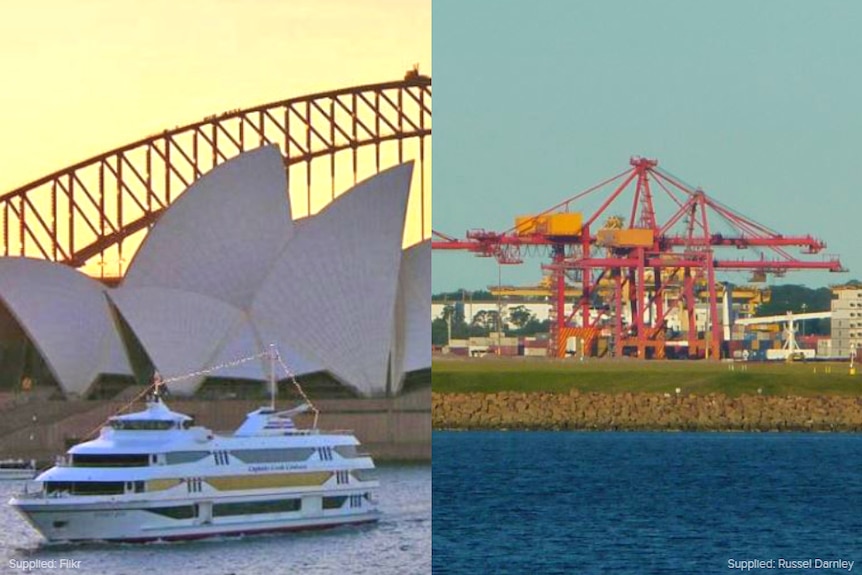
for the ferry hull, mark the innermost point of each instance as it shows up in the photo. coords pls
(138, 525)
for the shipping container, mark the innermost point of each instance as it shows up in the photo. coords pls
(505, 350)
(535, 351)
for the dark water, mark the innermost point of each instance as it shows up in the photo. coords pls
(557, 502)
(400, 543)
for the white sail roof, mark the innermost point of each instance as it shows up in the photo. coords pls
(245, 339)
(225, 273)
(221, 236)
(413, 334)
(67, 317)
(324, 292)
(181, 331)
(331, 293)
(240, 342)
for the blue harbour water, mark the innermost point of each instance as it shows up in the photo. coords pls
(400, 543)
(561, 502)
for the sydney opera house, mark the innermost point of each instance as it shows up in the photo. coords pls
(225, 272)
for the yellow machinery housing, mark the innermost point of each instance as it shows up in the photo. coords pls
(564, 224)
(626, 238)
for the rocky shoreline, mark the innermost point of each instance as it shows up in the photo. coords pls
(645, 411)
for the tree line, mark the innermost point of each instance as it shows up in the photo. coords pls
(518, 321)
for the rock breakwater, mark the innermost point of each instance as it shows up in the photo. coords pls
(645, 411)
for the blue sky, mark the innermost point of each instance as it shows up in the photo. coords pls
(759, 103)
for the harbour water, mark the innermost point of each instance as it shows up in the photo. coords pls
(399, 543)
(568, 502)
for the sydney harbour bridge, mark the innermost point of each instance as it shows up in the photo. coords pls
(97, 210)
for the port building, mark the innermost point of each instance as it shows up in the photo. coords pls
(846, 320)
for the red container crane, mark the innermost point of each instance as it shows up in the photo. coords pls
(645, 260)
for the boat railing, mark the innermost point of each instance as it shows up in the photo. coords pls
(298, 431)
(303, 432)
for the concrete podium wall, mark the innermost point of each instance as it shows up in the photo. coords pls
(394, 429)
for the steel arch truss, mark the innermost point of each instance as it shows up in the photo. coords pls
(82, 211)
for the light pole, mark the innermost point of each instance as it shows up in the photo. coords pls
(499, 306)
(804, 307)
(448, 312)
(852, 358)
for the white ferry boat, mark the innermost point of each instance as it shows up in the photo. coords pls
(17, 469)
(154, 474)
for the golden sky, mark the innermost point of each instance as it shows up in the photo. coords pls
(82, 77)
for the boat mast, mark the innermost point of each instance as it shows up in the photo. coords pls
(272, 387)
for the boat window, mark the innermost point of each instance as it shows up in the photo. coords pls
(110, 460)
(256, 507)
(272, 455)
(346, 451)
(176, 512)
(85, 487)
(141, 424)
(364, 474)
(334, 502)
(178, 457)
